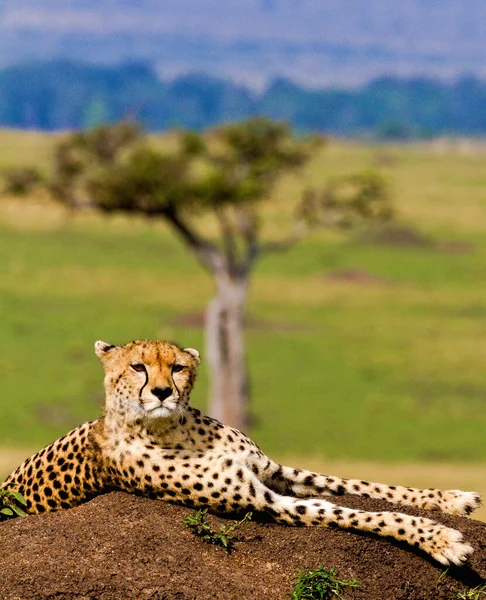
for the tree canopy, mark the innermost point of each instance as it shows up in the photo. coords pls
(227, 172)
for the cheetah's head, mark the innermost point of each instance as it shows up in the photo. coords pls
(148, 379)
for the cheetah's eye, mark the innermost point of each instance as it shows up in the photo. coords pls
(177, 368)
(138, 367)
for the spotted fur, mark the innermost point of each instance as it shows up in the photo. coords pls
(150, 441)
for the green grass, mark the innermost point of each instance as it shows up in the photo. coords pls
(475, 593)
(472, 593)
(387, 369)
(320, 584)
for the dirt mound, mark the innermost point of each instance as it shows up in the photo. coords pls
(125, 547)
(196, 320)
(360, 276)
(404, 235)
(396, 234)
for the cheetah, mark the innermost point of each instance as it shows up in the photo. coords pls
(149, 441)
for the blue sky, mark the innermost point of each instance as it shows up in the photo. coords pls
(311, 41)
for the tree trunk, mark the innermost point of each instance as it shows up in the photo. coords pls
(228, 399)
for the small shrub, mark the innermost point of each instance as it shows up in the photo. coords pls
(224, 537)
(10, 502)
(320, 584)
(21, 180)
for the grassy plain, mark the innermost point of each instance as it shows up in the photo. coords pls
(357, 351)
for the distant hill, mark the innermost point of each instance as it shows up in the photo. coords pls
(310, 41)
(66, 95)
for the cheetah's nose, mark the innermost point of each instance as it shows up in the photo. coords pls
(162, 393)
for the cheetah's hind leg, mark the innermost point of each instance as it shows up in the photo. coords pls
(306, 484)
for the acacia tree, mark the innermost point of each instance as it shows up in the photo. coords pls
(228, 173)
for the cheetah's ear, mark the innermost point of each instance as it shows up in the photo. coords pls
(102, 348)
(193, 353)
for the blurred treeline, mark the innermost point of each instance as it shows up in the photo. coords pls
(64, 95)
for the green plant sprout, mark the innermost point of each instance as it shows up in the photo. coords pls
(224, 537)
(9, 504)
(320, 584)
(441, 578)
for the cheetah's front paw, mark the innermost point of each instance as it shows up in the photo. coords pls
(448, 548)
(457, 502)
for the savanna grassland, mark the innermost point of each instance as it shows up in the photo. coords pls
(367, 351)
